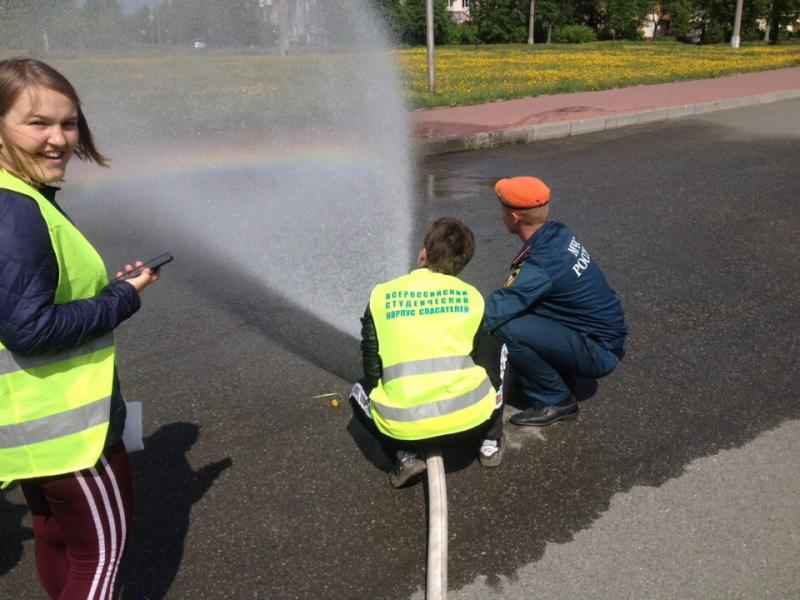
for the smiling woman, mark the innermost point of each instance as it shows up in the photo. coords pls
(42, 122)
(61, 411)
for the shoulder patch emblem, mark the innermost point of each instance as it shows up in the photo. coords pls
(513, 276)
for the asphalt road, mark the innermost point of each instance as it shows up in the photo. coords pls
(252, 488)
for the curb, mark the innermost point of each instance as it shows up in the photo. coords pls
(561, 129)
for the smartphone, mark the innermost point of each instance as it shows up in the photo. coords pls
(152, 264)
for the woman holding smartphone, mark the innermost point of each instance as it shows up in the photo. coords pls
(61, 411)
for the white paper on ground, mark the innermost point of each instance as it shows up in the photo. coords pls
(132, 434)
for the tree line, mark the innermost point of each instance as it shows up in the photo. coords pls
(66, 24)
(507, 21)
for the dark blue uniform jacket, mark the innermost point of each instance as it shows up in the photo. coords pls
(554, 276)
(30, 324)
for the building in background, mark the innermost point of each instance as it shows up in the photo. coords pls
(459, 10)
(303, 30)
(656, 25)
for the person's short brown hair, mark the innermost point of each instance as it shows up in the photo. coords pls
(20, 74)
(449, 245)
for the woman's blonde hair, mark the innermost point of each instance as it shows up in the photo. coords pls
(20, 74)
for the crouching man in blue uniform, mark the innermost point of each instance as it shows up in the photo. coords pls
(557, 314)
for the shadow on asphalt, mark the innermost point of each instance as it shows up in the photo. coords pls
(368, 446)
(12, 533)
(165, 487)
(455, 458)
(711, 365)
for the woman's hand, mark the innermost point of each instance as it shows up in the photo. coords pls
(139, 277)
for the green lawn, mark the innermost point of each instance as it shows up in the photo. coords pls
(219, 90)
(465, 75)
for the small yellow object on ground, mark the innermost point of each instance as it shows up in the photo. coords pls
(335, 398)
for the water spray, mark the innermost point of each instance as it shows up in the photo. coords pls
(293, 170)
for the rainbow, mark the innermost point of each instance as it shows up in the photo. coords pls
(135, 165)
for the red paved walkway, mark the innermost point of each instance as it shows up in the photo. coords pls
(441, 124)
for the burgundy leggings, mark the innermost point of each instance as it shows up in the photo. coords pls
(80, 523)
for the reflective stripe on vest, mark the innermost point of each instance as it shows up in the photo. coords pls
(436, 409)
(10, 362)
(425, 324)
(426, 365)
(55, 426)
(54, 407)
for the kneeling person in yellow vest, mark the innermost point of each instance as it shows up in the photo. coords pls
(421, 388)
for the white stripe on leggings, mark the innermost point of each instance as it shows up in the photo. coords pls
(112, 558)
(122, 522)
(101, 538)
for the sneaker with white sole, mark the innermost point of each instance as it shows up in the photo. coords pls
(491, 453)
(408, 466)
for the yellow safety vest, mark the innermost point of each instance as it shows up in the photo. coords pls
(54, 407)
(426, 323)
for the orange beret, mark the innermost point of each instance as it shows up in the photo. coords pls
(522, 192)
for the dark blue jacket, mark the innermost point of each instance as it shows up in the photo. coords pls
(30, 322)
(554, 276)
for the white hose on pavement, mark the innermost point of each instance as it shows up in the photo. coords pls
(437, 528)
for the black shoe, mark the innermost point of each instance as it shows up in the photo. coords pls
(545, 414)
(406, 469)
